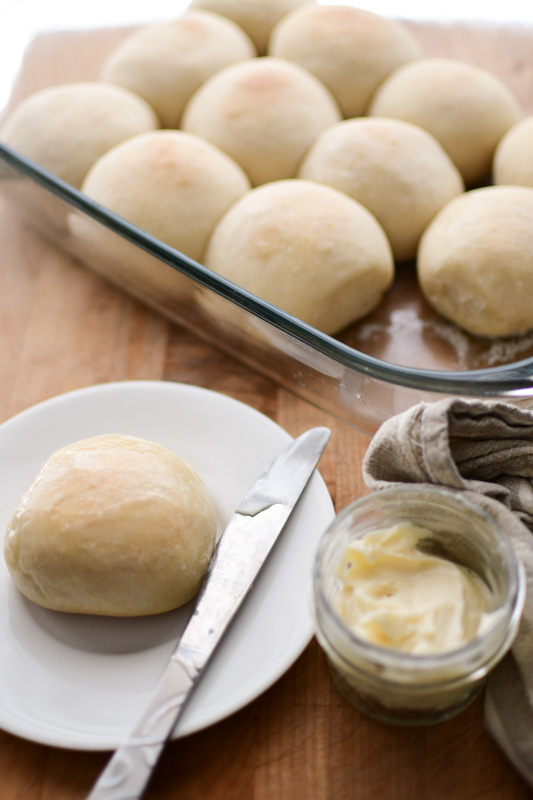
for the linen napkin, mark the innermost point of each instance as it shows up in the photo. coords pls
(484, 449)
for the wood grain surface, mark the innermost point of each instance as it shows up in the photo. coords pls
(61, 328)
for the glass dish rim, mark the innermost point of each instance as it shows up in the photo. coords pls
(509, 379)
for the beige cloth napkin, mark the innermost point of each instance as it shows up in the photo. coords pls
(485, 450)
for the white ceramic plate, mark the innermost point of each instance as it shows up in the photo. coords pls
(81, 681)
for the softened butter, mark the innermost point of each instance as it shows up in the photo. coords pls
(417, 595)
(395, 594)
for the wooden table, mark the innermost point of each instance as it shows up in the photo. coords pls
(61, 328)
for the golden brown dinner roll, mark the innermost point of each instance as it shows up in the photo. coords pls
(306, 248)
(112, 525)
(349, 49)
(256, 17)
(396, 170)
(66, 128)
(466, 108)
(513, 159)
(475, 261)
(264, 113)
(173, 185)
(166, 62)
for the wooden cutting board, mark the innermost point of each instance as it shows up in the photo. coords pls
(61, 328)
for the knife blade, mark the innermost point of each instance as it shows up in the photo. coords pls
(239, 555)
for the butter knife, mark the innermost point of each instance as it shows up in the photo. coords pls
(238, 558)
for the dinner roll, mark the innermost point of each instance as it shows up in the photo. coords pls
(349, 49)
(475, 261)
(264, 112)
(66, 128)
(513, 159)
(173, 185)
(306, 248)
(112, 525)
(256, 17)
(166, 62)
(466, 108)
(396, 169)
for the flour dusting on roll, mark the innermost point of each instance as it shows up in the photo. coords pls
(513, 158)
(475, 261)
(396, 170)
(256, 17)
(66, 128)
(173, 185)
(264, 113)
(465, 107)
(166, 62)
(351, 50)
(306, 248)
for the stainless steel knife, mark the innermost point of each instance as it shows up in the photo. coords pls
(238, 558)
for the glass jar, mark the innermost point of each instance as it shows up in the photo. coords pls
(404, 688)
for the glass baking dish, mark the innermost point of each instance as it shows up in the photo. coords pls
(397, 356)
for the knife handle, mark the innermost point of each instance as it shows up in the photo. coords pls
(128, 772)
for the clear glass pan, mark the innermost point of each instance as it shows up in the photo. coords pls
(398, 356)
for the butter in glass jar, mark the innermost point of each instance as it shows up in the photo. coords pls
(417, 595)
